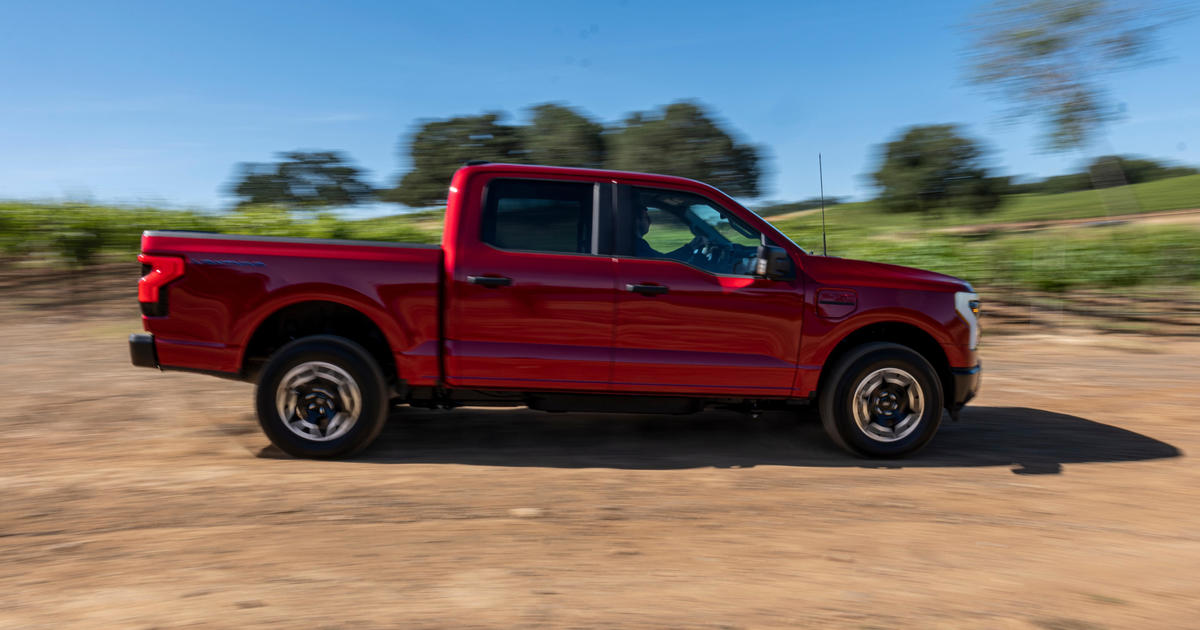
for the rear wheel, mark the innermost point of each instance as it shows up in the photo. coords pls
(882, 400)
(321, 397)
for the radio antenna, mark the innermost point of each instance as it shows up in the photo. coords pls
(821, 172)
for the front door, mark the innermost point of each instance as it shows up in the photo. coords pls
(691, 316)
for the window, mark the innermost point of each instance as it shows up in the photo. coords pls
(689, 228)
(538, 216)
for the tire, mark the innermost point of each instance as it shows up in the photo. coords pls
(882, 400)
(336, 394)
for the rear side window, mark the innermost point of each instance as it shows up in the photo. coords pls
(539, 216)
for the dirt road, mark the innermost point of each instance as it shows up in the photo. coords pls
(1065, 498)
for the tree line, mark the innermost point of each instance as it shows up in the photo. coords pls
(925, 168)
(682, 138)
(931, 168)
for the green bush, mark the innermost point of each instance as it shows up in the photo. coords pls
(1054, 260)
(82, 233)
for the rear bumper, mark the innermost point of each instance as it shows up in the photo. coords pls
(142, 352)
(966, 384)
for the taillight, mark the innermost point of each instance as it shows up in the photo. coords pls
(157, 272)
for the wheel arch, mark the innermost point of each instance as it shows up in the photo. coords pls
(902, 333)
(306, 316)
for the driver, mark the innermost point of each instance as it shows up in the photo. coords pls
(642, 249)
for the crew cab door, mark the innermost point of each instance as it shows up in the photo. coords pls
(691, 316)
(531, 302)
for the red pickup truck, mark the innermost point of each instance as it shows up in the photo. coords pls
(562, 289)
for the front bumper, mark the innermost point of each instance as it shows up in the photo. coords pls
(142, 352)
(966, 384)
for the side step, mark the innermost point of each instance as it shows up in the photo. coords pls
(613, 403)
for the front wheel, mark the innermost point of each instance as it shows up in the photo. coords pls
(321, 397)
(882, 400)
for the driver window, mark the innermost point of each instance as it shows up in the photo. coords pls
(688, 228)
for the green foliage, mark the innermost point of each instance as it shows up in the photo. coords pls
(1117, 170)
(302, 180)
(81, 234)
(1105, 172)
(393, 229)
(80, 239)
(11, 229)
(854, 220)
(1057, 260)
(931, 168)
(440, 147)
(1047, 58)
(1055, 185)
(683, 139)
(560, 136)
(261, 220)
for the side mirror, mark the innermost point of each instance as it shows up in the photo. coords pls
(773, 263)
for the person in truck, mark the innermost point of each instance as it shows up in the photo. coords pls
(703, 233)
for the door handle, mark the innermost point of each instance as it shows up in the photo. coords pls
(491, 282)
(647, 289)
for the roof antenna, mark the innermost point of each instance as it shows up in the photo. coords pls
(821, 171)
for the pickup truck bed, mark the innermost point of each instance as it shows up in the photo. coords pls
(395, 286)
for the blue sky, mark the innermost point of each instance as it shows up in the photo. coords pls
(155, 102)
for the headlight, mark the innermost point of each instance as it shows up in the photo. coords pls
(967, 305)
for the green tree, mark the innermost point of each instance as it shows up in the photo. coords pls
(683, 139)
(930, 168)
(1047, 58)
(440, 147)
(304, 180)
(1116, 170)
(560, 136)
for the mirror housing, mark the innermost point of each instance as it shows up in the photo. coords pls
(773, 263)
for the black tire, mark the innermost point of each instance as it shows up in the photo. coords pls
(350, 360)
(838, 393)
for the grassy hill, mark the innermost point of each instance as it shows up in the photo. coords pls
(1108, 254)
(870, 218)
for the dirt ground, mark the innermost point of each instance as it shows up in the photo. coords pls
(1064, 499)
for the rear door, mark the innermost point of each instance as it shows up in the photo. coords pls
(532, 300)
(691, 316)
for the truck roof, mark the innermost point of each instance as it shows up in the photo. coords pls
(476, 167)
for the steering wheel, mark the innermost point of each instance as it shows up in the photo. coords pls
(710, 255)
